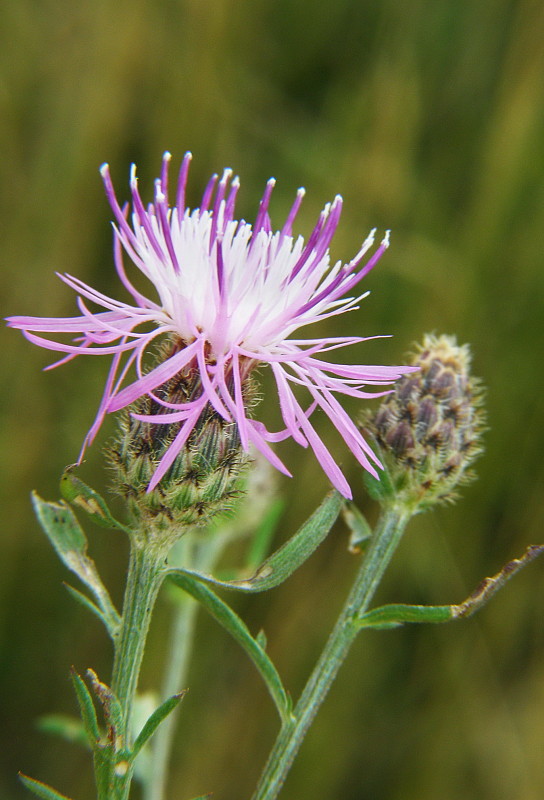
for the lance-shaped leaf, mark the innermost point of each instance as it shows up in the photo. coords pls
(239, 631)
(281, 564)
(87, 709)
(41, 789)
(67, 537)
(68, 728)
(113, 712)
(88, 500)
(154, 721)
(394, 615)
(391, 616)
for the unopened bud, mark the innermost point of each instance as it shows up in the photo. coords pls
(429, 428)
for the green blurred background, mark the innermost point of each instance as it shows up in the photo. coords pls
(428, 118)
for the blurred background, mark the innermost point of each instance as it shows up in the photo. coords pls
(428, 117)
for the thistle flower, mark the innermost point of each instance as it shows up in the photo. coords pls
(229, 296)
(429, 429)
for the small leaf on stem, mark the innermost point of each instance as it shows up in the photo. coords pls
(113, 712)
(67, 537)
(86, 707)
(41, 789)
(391, 616)
(88, 500)
(68, 728)
(154, 721)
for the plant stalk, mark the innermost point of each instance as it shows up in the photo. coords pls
(145, 574)
(383, 544)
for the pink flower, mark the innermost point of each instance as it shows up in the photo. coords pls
(233, 294)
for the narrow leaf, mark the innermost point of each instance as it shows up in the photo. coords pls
(281, 564)
(358, 525)
(111, 705)
(41, 789)
(111, 625)
(86, 707)
(391, 616)
(67, 537)
(239, 631)
(154, 721)
(90, 502)
(490, 586)
(68, 728)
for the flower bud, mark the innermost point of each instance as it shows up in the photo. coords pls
(202, 482)
(429, 428)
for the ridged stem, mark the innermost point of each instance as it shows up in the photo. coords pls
(384, 541)
(145, 574)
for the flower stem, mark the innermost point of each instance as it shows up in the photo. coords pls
(199, 552)
(384, 541)
(145, 573)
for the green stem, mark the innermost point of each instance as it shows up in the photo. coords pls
(145, 574)
(384, 541)
(178, 659)
(200, 552)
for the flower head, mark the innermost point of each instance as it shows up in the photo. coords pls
(429, 430)
(229, 296)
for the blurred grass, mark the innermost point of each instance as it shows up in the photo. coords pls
(428, 119)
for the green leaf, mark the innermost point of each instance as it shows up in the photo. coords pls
(281, 564)
(111, 705)
(358, 525)
(83, 497)
(392, 616)
(68, 728)
(89, 605)
(239, 631)
(41, 789)
(67, 537)
(86, 707)
(154, 721)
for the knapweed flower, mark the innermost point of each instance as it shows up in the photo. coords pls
(229, 296)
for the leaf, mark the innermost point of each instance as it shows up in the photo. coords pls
(239, 631)
(67, 537)
(154, 721)
(69, 728)
(111, 705)
(86, 707)
(391, 616)
(281, 564)
(490, 586)
(90, 606)
(41, 789)
(88, 500)
(358, 525)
